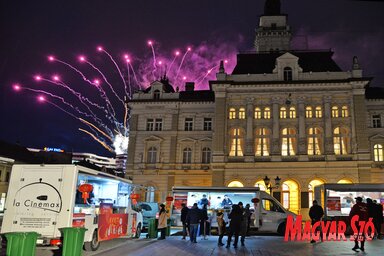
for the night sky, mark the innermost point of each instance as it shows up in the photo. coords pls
(32, 30)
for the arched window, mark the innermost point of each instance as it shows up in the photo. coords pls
(319, 112)
(236, 184)
(232, 113)
(290, 196)
(311, 190)
(156, 95)
(237, 142)
(152, 155)
(267, 113)
(308, 112)
(292, 112)
(187, 155)
(288, 143)
(206, 156)
(257, 113)
(345, 181)
(261, 185)
(242, 113)
(344, 111)
(287, 74)
(262, 142)
(378, 153)
(335, 111)
(283, 112)
(340, 141)
(314, 141)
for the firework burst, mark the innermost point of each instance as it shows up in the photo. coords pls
(98, 99)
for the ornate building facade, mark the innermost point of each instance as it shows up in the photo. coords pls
(292, 116)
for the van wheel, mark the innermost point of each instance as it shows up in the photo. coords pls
(94, 244)
(138, 231)
(281, 229)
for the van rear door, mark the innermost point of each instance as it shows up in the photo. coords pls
(35, 200)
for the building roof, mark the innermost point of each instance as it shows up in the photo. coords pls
(203, 95)
(265, 62)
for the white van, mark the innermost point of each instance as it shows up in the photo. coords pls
(268, 216)
(45, 198)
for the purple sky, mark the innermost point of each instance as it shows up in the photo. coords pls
(31, 30)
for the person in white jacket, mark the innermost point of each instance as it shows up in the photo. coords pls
(162, 225)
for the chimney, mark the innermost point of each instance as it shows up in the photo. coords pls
(189, 86)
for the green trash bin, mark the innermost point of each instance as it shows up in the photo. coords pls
(152, 228)
(21, 243)
(73, 241)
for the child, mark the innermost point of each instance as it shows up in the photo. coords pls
(221, 226)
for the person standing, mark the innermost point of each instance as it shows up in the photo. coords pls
(248, 206)
(184, 212)
(203, 222)
(361, 210)
(221, 227)
(372, 213)
(236, 217)
(246, 213)
(162, 225)
(379, 214)
(316, 212)
(193, 220)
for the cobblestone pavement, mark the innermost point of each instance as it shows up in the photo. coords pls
(255, 246)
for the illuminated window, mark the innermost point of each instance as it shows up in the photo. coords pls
(232, 113)
(345, 181)
(285, 189)
(187, 156)
(261, 185)
(242, 113)
(340, 141)
(378, 152)
(236, 142)
(314, 141)
(311, 190)
(344, 111)
(206, 156)
(236, 184)
(292, 112)
(287, 74)
(335, 111)
(318, 112)
(308, 112)
(288, 143)
(257, 113)
(152, 155)
(283, 112)
(267, 113)
(262, 142)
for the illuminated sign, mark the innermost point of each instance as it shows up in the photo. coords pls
(53, 150)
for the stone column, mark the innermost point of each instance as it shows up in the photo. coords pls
(249, 132)
(302, 132)
(328, 147)
(275, 148)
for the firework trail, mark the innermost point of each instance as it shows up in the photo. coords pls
(182, 61)
(154, 60)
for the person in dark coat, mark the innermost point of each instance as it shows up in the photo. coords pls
(236, 217)
(372, 212)
(193, 220)
(184, 212)
(361, 210)
(316, 212)
(380, 218)
(204, 225)
(246, 213)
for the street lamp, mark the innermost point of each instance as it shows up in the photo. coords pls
(269, 186)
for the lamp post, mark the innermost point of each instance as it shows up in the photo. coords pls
(267, 182)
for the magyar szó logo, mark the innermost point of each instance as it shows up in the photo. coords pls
(328, 230)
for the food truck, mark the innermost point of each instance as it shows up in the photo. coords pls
(45, 198)
(267, 216)
(338, 199)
